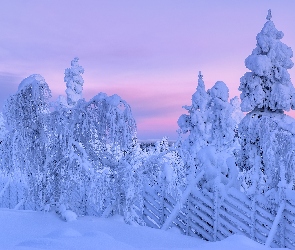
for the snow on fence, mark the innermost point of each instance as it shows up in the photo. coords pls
(211, 215)
(216, 215)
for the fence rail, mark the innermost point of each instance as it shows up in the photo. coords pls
(208, 214)
(215, 215)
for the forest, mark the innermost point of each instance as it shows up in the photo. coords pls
(231, 169)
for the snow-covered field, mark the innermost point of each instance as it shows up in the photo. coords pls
(38, 230)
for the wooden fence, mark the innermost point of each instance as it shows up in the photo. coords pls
(208, 214)
(216, 214)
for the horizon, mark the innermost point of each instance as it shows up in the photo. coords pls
(148, 53)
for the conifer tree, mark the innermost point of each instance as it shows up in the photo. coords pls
(268, 86)
(266, 92)
(74, 82)
(220, 117)
(210, 144)
(195, 123)
(217, 157)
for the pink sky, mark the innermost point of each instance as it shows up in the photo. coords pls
(148, 52)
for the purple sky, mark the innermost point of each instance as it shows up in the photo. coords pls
(148, 52)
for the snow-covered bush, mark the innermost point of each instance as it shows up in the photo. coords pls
(219, 167)
(65, 214)
(129, 184)
(266, 134)
(164, 170)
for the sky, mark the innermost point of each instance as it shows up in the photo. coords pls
(148, 52)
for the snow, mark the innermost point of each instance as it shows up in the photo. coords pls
(275, 225)
(67, 215)
(184, 197)
(219, 90)
(268, 86)
(38, 230)
(237, 114)
(31, 80)
(259, 131)
(207, 160)
(259, 64)
(83, 158)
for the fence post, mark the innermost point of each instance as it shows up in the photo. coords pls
(183, 199)
(275, 225)
(216, 207)
(253, 216)
(282, 221)
(278, 219)
(282, 200)
(161, 195)
(187, 220)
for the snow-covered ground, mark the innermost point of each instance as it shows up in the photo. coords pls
(38, 230)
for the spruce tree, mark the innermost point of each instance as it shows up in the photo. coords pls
(266, 134)
(74, 82)
(219, 113)
(195, 124)
(268, 86)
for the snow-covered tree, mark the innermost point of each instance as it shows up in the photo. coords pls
(211, 128)
(217, 157)
(86, 139)
(26, 113)
(77, 154)
(209, 121)
(129, 184)
(3, 130)
(74, 82)
(237, 114)
(266, 92)
(164, 170)
(220, 117)
(268, 86)
(195, 124)
(3, 143)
